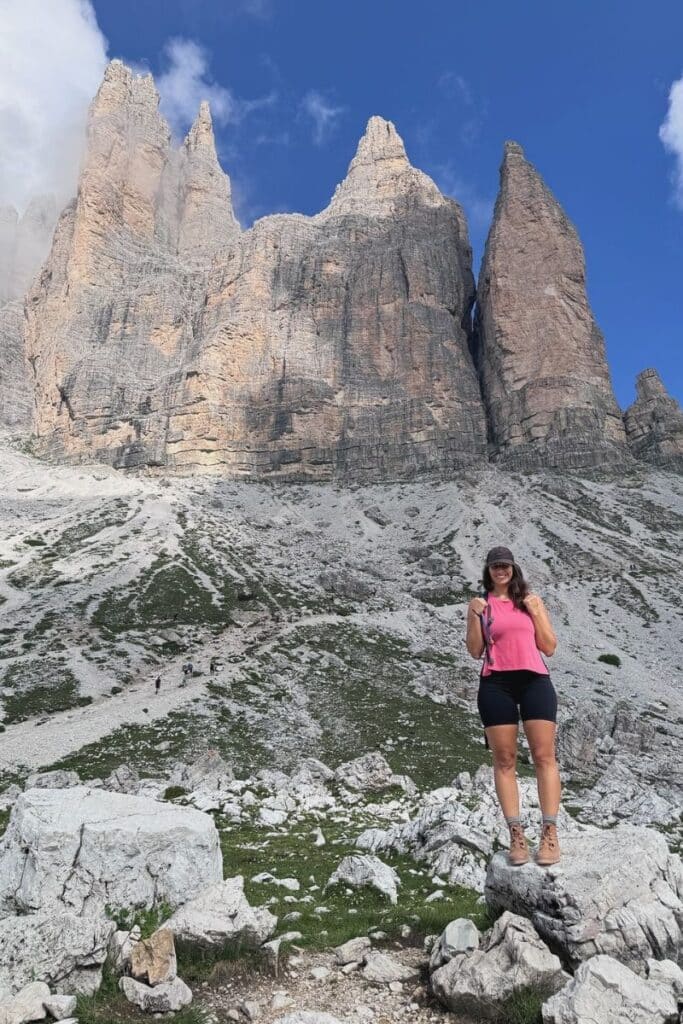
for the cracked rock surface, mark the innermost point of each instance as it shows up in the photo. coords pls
(616, 892)
(82, 848)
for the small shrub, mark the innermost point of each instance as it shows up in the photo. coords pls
(610, 659)
(523, 1006)
(116, 689)
(148, 920)
(173, 792)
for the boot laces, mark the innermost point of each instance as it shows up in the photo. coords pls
(517, 838)
(549, 836)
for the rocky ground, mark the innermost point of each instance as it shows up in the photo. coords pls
(335, 622)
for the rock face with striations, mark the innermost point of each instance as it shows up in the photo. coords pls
(160, 333)
(654, 423)
(540, 354)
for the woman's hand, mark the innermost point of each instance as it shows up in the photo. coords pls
(475, 638)
(546, 641)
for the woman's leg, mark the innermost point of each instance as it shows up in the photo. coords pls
(502, 740)
(541, 737)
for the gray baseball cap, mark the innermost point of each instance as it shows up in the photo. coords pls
(500, 554)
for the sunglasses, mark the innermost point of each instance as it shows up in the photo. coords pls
(500, 565)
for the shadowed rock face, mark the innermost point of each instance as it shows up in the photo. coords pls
(654, 423)
(307, 346)
(540, 354)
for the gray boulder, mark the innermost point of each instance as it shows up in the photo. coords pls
(607, 991)
(512, 957)
(353, 951)
(359, 870)
(26, 1005)
(382, 969)
(616, 892)
(83, 848)
(459, 936)
(220, 914)
(165, 998)
(208, 773)
(57, 779)
(55, 947)
(60, 1007)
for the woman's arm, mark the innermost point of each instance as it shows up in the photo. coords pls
(475, 637)
(546, 641)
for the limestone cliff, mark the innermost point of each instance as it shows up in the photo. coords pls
(335, 345)
(654, 423)
(539, 351)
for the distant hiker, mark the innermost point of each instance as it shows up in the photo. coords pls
(157, 684)
(509, 626)
(212, 666)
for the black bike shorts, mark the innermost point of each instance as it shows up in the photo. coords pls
(504, 697)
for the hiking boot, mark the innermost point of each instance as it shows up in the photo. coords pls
(519, 851)
(549, 847)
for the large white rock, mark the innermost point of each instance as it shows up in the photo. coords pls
(606, 991)
(222, 914)
(165, 998)
(359, 870)
(86, 848)
(616, 892)
(61, 1007)
(26, 1005)
(56, 947)
(512, 957)
(366, 773)
(458, 936)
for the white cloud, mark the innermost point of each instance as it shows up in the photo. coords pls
(52, 57)
(322, 113)
(671, 134)
(187, 82)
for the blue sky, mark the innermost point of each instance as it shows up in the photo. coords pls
(583, 87)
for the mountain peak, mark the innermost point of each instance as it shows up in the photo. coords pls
(201, 132)
(380, 176)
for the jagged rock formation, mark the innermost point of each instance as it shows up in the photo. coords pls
(158, 333)
(539, 351)
(654, 423)
(162, 334)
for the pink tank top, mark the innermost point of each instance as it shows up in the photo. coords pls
(511, 639)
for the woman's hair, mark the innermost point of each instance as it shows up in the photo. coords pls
(518, 588)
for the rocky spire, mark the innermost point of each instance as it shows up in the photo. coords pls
(540, 354)
(207, 221)
(380, 176)
(654, 423)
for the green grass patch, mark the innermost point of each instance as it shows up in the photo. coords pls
(57, 690)
(523, 1006)
(248, 850)
(610, 659)
(171, 595)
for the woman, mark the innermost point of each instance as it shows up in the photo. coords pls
(509, 627)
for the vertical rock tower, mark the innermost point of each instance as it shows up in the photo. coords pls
(539, 352)
(160, 333)
(654, 423)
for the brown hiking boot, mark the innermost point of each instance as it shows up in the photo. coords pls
(519, 851)
(549, 848)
